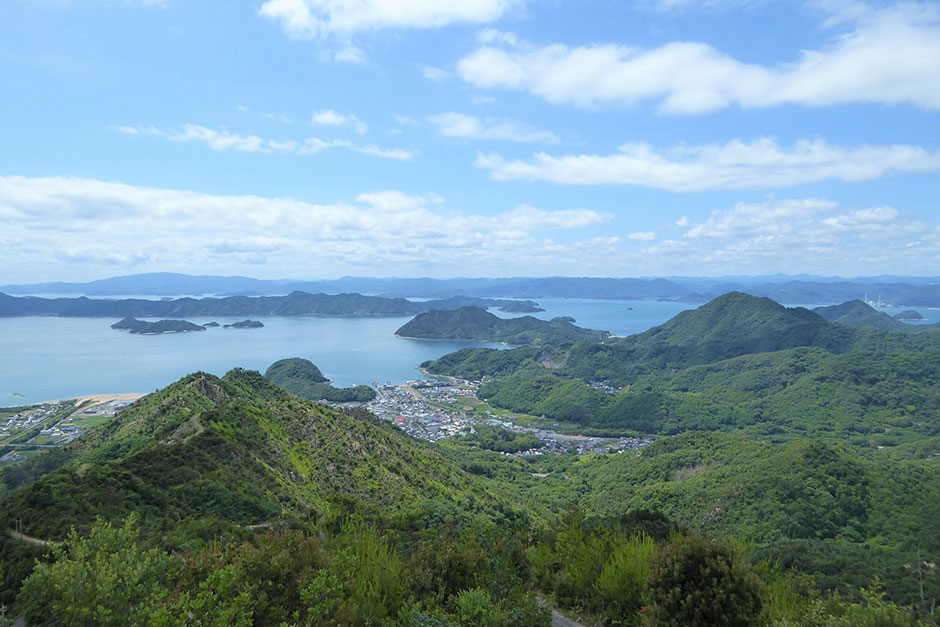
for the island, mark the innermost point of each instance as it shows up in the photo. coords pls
(301, 377)
(476, 324)
(909, 314)
(245, 324)
(294, 304)
(211, 325)
(141, 327)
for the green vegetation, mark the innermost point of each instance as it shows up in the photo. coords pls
(142, 327)
(245, 324)
(801, 487)
(502, 440)
(737, 364)
(299, 376)
(473, 323)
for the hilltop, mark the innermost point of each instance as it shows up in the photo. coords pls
(473, 323)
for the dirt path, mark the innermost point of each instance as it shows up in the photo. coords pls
(559, 619)
(29, 539)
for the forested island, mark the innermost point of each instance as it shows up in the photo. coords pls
(160, 327)
(244, 324)
(301, 377)
(909, 314)
(473, 323)
(294, 304)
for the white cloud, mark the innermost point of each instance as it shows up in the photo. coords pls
(888, 57)
(469, 127)
(50, 222)
(350, 54)
(642, 236)
(805, 235)
(395, 153)
(767, 218)
(526, 218)
(308, 19)
(435, 73)
(329, 117)
(758, 164)
(224, 140)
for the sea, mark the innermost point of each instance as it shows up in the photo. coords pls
(49, 358)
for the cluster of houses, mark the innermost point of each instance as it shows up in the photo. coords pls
(435, 410)
(58, 434)
(29, 419)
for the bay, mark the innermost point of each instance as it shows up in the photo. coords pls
(47, 358)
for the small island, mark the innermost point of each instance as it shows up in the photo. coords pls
(301, 377)
(141, 327)
(245, 324)
(909, 315)
(476, 324)
(211, 325)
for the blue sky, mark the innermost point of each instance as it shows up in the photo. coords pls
(321, 138)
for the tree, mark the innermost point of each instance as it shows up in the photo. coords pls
(104, 579)
(703, 581)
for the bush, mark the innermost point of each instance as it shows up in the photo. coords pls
(703, 581)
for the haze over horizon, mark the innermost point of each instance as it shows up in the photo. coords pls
(319, 138)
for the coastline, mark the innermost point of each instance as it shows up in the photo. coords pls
(97, 399)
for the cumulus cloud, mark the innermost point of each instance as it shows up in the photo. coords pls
(309, 19)
(329, 117)
(757, 164)
(794, 234)
(49, 221)
(469, 127)
(888, 56)
(224, 140)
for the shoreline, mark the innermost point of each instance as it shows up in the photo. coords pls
(97, 398)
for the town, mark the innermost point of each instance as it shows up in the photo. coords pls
(438, 409)
(28, 430)
(427, 409)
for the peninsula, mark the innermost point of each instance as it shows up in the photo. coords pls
(473, 323)
(301, 377)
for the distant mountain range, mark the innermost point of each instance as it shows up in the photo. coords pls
(801, 289)
(294, 304)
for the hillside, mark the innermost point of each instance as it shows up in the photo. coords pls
(473, 323)
(739, 363)
(223, 453)
(301, 377)
(732, 325)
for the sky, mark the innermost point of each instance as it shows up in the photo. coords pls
(324, 138)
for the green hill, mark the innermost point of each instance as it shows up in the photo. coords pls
(299, 376)
(473, 323)
(856, 313)
(211, 455)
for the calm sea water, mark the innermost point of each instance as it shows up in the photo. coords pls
(50, 358)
